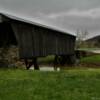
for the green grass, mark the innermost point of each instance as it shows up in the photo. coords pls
(46, 60)
(88, 49)
(76, 84)
(88, 59)
(91, 59)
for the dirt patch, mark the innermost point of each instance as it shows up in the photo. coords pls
(90, 65)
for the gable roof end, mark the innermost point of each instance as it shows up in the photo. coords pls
(64, 31)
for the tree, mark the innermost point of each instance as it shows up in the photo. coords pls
(81, 36)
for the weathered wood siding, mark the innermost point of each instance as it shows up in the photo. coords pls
(0, 18)
(38, 41)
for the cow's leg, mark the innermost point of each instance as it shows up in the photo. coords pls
(62, 60)
(55, 62)
(36, 66)
(70, 59)
(26, 63)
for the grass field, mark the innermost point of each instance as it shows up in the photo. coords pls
(72, 84)
(91, 59)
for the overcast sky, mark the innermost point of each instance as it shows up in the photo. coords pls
(72, 15)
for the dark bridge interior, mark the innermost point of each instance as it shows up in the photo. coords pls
(7, 36)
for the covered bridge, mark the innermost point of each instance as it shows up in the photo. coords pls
(35, 39)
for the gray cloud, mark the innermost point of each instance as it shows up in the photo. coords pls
(68, 14)
(91, 13)
(48, 6)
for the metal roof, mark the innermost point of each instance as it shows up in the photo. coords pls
(30, 21)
